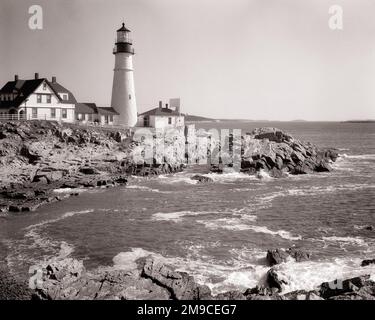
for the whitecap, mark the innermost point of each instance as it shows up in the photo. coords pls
(175, 216)
(352, 240)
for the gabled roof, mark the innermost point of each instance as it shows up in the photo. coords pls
(86, 108)
(60, 89)
(161, 112)
(26, 87)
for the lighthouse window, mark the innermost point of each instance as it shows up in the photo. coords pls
(130, 96)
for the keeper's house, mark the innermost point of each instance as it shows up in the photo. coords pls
(163, 117)
(36, 99)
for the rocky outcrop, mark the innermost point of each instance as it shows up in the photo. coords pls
(180, 285)
(358, 288)
(278, 153)
(152, 279)
(278, 256)
(367, 262)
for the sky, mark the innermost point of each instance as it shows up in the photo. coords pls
(235, 59)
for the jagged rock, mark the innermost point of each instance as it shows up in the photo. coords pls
(369, 228)
(88, 170)
(302, 295)
(344, 287)
(31, 155)
(274, 281)
(180, 285)
(299, 255)
(201, 179)
(230, 295)
(276, 256)
(367, 262)
(272, 134)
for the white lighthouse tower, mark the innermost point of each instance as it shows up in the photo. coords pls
(123, 91)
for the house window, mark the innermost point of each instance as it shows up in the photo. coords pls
(111, 118)
(90, 117)
(48, 98)
(106, 119)
(39, 98)
(34, 113)
(169, 120)
(44, 86)
(53, 112)
(146, 121)
(64, 113)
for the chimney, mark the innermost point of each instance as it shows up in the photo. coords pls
(36, 75)
(16, 77)
(166, 105)
(160, 104)
(53, 79)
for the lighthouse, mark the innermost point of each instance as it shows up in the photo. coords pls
(123, 91)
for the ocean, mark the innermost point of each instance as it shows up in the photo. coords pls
(218, 232)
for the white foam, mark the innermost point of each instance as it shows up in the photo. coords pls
(143, 188)
(239, 225)
(281, 233)
(175, 216)
(309, 275)
(127, 260)
(362, 156)
(69, 190)
(352, 240)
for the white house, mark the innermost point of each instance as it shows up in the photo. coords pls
(36, 99)
(162, 117)
(89, 113)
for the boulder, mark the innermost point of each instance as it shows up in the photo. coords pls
(180, 285)
(344, 287)
(299, 255)
(366, 263)
(276, 256)
(88, 170)
(201, 179)
(272, 134)
(274, 280)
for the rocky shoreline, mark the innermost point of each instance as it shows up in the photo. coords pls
(38, 157)
(152, 279)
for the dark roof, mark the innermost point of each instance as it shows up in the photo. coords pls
(123, 28)
(91, 108)
(60, 89)
(107, 110)
(86, 108)
(161, 112)
(23, 87)
(26, 87)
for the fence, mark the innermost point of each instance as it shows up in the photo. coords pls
(8, 117)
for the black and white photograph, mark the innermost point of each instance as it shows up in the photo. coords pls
(172, 150)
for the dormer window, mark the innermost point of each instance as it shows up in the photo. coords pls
(65, 96)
